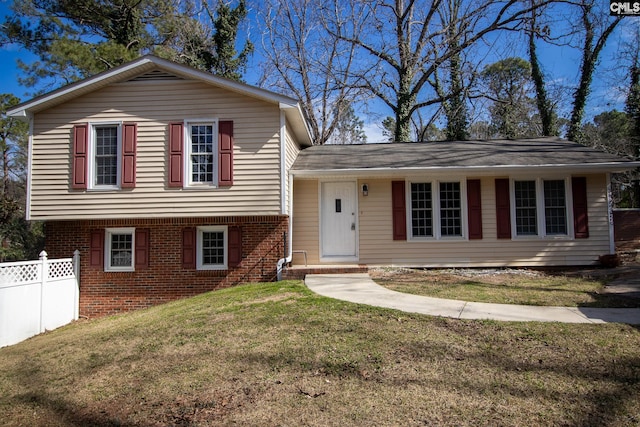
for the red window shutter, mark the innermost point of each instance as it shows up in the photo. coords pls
(142, 248)
(80, 157)
(96, 249)
(580, 207)
(399, 207)
(176, 147)
(129, 149)
(235, 246)
(474, 208)
(503, 209)
(225, 153)
(189, 248)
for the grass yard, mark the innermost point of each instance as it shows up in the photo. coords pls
(276, 354)
(506, 286)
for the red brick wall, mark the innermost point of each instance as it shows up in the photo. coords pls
(104, 293)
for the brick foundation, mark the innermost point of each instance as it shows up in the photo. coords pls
(104, 293)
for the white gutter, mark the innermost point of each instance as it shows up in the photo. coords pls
(285, 189)
(468, 170)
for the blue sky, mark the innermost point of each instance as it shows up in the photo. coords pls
(561, 65)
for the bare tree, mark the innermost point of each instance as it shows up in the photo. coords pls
(400, 44)
(596, 26)
(455, 93)
(303, 60)
(546, 108)
(632, 108)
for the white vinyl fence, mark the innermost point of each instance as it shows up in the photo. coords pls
(36, 296)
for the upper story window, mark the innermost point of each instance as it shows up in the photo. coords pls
(105, 149)
(540, 207)
(202, 152)
(104, 156)
(437, 214)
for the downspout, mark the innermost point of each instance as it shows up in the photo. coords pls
(29, 167)
(286, 187)
(612, 242)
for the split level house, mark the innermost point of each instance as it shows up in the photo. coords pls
(172, 182)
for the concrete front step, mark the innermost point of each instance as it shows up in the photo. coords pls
(299, 272)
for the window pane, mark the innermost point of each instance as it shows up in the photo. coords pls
(212, 248)
(106, 156)
(555, 209)
(421, 209)
(202, 153)
(526, 217)
(121, 250)
(450, 209)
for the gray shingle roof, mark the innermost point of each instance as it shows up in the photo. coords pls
(523, 153)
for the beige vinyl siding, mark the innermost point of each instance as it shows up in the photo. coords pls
(377, 247)
(306, 221)
(291, 153)
(153, 105)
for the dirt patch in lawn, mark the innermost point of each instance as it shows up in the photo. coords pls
(570, 287)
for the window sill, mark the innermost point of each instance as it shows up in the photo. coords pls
(103, 189)
(537, 238)
(212, 268)
(436, 239)
(201, 187)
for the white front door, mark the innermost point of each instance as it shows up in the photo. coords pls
(339, 221)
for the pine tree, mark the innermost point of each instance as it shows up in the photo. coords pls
(18, 239)
(74, 39)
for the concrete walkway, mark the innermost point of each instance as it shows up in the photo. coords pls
(359, 288)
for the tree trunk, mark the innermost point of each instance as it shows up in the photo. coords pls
(545, 108)
(406, 102)
(590, 55)
(5, 167)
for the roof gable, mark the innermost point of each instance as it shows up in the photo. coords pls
(150, 67)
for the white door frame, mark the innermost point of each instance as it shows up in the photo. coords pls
(339, 258)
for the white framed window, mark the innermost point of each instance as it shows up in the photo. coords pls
(541, 207)
(105, 154)
(555, 207)
(212, 251)
(201, 148)
(119, 249)
(437, 209)
(421, 209)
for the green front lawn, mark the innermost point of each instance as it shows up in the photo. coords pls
(276, 354)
